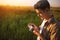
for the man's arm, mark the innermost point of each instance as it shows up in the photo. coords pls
(38, 34)
(55, 32)
(36, 31)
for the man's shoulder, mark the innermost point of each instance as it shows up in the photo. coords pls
(54, 26)
(54, 23)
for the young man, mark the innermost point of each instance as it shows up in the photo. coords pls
(50, 28)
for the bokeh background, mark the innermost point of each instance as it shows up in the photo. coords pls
(14, 20)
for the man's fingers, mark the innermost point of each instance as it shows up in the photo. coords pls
(36, 32)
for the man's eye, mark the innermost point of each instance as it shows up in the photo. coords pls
(40, 12)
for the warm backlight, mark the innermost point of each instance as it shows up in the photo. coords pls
(18, 2)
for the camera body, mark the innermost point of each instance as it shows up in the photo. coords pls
(31, 27)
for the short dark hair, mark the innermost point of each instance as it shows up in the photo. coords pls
(42, 5)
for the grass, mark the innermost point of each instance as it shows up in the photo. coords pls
(14, 20)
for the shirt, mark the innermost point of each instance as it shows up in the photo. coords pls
(41, 27)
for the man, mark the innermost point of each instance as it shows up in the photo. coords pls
(50, 28)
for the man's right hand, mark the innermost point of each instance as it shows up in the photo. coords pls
(34, 28)
(36, 31)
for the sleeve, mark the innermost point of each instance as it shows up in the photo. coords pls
(38, 38)
(54, 32)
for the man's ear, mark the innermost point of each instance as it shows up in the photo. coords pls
(46, 10)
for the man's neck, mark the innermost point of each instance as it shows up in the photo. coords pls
(49, 18)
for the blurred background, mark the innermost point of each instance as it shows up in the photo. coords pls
(16, 14)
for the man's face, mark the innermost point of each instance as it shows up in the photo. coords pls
(41, 13)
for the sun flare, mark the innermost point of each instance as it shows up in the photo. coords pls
(27, 2)
(18, 2)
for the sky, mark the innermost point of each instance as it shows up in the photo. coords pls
(54, 3)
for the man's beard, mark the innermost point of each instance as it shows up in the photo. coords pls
(41, 17)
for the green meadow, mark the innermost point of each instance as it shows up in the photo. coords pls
(14, 20)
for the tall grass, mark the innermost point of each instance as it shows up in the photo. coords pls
(14, 20)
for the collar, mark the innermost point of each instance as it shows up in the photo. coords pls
(51, 20)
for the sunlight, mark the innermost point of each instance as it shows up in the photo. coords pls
(18, 2)
(26, 2)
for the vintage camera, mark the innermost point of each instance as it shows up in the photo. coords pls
(31, 27)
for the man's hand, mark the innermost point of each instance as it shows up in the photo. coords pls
(39, 36)
(32, 27)
(36, 31)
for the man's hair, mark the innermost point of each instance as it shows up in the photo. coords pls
(42, 5)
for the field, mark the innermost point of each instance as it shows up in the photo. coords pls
(14, 20)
